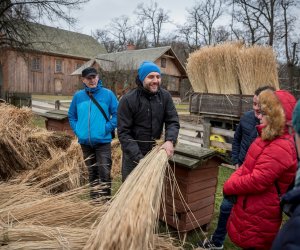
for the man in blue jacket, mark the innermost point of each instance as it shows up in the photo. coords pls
(244, 135)
(94, 128)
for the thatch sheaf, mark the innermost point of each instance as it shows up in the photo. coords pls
(232, 68)
(44, 203)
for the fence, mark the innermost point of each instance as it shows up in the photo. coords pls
(41, 106)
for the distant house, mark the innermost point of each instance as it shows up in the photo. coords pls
(46, 66)
(120, 68)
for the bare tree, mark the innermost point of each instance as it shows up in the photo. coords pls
(290, 47)
(15, 16)
(209, 12)
(200, 28)
(261, 18)
(155, 17)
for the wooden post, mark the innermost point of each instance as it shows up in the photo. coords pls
(206, 133)
(57, 104)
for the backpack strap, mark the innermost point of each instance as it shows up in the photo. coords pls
(98, 105)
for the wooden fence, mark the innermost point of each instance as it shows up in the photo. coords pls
(41, 106)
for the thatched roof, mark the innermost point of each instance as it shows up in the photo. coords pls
(131, 59)
(58, 41)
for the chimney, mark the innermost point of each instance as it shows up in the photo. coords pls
(130, 46)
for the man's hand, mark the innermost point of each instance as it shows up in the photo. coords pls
(237, 166)
(168, 146)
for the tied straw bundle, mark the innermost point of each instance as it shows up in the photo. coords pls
(132, 217)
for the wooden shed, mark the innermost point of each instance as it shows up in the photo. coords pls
(196, 174)
(45, 66)
(122, 67)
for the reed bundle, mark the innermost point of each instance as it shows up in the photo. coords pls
(63, 164)
(31, 205)
(116, 154)
(41, 237)
(131, 218)
(256, 67)
(232, 68)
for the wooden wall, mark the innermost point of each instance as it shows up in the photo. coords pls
(18, 75)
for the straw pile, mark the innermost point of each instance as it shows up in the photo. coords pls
(133, 213)
(232, 68)
(256, 67)
(30, 218)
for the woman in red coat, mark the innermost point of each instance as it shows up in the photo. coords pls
(271, 160)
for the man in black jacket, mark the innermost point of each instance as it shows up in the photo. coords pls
(142, 114)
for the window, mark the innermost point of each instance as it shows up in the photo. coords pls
(58, 66)
(36, 64)
(163, 62)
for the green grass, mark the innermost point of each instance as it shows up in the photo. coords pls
(39, 121)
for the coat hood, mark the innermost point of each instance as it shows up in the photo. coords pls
(278, 108)
(288, 102)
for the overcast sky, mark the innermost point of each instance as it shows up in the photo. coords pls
(98, 13)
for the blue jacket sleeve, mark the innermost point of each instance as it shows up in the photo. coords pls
(72, 114)
(113, 108)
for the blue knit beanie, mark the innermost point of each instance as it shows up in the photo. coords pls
(296, 118)
(146, 68)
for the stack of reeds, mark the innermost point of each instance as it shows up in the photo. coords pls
(232, 68)
(132, 216)
(31, 218)
(256, 67)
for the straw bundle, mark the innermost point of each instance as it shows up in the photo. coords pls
(133, 212)
(33, 206)
(116, 154)
(232, 68)
(212, 69)
(62, 165)
(41, 237)
(256, 67)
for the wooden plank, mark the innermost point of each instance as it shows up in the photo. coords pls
(188, 132)
(190, 151)
(196, 127)
(224, 132)
(193, 206)
(185, 161)
(194, 144)
(191, 139)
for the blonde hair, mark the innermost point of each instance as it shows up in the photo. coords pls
(274, 112)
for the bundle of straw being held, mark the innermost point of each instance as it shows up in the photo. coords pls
(132, 216)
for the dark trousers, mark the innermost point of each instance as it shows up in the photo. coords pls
(221, 231)
(127, 166)
(98, 160)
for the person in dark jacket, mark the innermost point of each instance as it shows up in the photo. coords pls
(244, 135)
(142, 114)
(93, 130)
(288, 237)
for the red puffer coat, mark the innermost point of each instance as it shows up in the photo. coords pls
(256, 217)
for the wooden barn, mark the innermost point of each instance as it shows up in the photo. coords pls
(46, 66)
(118, 70)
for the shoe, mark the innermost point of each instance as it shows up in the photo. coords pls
(209, 244)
